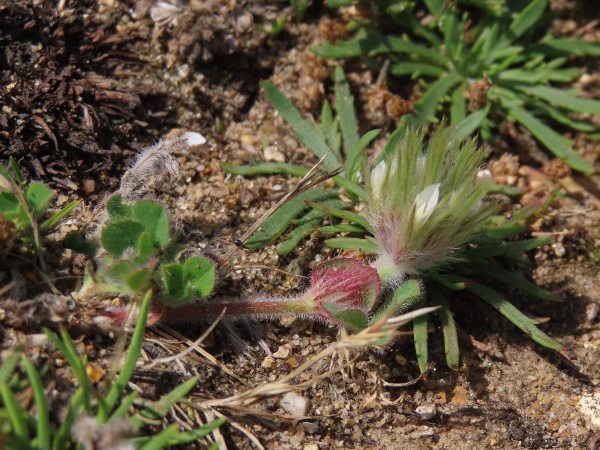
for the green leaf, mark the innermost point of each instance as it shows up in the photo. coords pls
(376, 45)
(448, 328)
(522, 23)
(146, 248)
(426, 107)
(458, 106)
(345, 243)
(345, 110)
(354, 155)
(154, 219)
(555, 142)
(306, 131)
(38, 197)
(516, 281)
(342, 214)
(19, 178)
(470, 124)
(403, 299)
(343, 228)
(118, 209)
(17, 416)
(512, 314)
(8, 203)
(160, 408)
(355, 320)
(275, 225)
(561, 98)
(161, 440)
(503, 248)
(421, 339)
(52, 221)
(138, 280)
(199, 273)
(10, 363)
(172, 275)
(267, 168)
(120, 236)
(133, 353)
(416, 69)
(41, 405)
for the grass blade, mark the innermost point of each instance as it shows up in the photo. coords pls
(306, 131)
(132, 356)
(344, 105)
(48, 224)
(448, 328)
(421, 341)
(17, 416)
(555, 142)
(41, 404)
(345, 243)
(513, 314)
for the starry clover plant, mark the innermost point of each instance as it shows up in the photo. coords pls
(139, 251)
(426, 220)
(482, 65)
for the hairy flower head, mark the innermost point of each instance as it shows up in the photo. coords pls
(344, 291)
(424, 202)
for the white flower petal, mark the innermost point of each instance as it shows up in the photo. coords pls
(425, 203)
(377, 178)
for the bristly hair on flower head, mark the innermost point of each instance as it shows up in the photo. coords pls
(424, 202)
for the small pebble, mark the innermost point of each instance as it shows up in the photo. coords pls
(426, 412)
(295, 404)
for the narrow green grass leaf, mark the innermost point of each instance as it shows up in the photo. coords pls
(19, 178)
(516, 281)
(448, 328)
(67, 347)
(185, 437)
(41, 404)
(266, 168)
(275, 225)
(133, 354)
(167, 401)
(343, 228)
(504, 248)
(513, 314)
(458, 107)
(426, 107)
(403, 298)
(341, 213)
(10, 363)
(421, 341)
(344, 105)
(17, 416)
(125, 406)
(345, 243)
(470, 124)
(162, 439)
(551, 46)
(52, 221)
(560, 98)
(376, 45)
(64, 431)
(356, 153)
(522, 23)
(416, 69)
(555, 142)
(306, 131)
